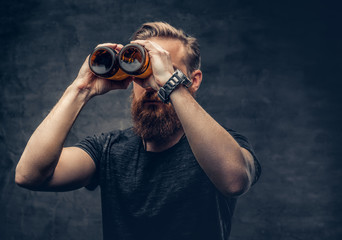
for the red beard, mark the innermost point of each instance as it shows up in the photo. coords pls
(156, 122)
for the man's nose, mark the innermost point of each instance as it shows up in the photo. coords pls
(149, 89)
(149, 79)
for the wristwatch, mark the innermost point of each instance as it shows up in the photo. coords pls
(177, 78)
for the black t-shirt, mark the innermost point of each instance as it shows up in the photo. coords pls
(157, 195)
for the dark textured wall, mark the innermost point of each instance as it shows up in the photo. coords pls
(271, 71)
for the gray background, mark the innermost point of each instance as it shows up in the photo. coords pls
(271, 71)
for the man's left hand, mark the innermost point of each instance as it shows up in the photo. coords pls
(162, 68)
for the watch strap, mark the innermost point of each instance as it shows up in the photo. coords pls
(178, 77)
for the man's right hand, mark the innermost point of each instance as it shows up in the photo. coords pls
(93, 85)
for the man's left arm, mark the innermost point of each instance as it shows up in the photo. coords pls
(229, 166)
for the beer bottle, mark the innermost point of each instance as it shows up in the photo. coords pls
(103, 62)
(134, 60)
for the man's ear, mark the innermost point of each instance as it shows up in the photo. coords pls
(196, 78)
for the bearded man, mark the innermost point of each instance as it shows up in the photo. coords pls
(176, 174)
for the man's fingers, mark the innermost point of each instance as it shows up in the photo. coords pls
(112, 45)
(119, 47)
(84, 68)
(149, 45)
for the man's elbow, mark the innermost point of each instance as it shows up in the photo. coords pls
(238, 187)
(241, 179)
(25, 180)
(22, 181)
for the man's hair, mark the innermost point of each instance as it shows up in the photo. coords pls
(165, 30)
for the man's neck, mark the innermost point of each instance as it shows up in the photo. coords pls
(159, 146)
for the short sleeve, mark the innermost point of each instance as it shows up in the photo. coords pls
(94, 146)
(243, 142)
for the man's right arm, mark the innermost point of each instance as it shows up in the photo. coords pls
(45, 164)
(44, 161)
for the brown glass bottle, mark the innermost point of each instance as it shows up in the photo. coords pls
(134, 60)
(103, 62)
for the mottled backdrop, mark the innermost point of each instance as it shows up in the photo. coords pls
(271, 71)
